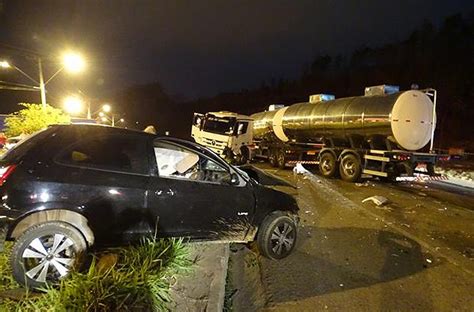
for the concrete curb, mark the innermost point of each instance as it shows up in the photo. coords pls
(204, 288)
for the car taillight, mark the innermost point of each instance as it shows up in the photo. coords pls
(5, 172)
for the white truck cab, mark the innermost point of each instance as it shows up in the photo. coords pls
(226, 133)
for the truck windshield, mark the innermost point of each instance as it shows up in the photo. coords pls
(224, 125)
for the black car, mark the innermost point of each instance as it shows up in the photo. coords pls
(72, 187)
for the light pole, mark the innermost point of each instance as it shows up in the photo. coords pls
(41, 84)
(71, 62)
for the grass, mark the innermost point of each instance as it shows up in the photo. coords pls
(139, 280)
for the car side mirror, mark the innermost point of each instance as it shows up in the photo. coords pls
(234, 179)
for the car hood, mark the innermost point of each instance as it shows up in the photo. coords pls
(264, 178)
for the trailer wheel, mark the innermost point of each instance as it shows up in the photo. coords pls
(327, 165)
(430, 169)
(350, 168)
(273, 158)
(281, 159)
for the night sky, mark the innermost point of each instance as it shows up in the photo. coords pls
(200, 48)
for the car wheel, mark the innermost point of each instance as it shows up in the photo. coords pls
(327, 165)
(350, 168)
(46, 253)
(276, 237)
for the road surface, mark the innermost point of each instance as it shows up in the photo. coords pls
(414, 254)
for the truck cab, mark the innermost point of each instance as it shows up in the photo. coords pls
(226, 133)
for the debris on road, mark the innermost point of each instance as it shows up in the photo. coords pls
(377, 200)
(299, 169)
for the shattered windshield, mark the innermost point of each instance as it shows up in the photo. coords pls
(218, 125)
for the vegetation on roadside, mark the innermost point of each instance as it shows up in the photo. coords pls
(137, 279)
(33, 117)
(229, 289)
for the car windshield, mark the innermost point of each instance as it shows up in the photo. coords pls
(224, 125)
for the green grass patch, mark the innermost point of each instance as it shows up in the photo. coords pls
(138, 278)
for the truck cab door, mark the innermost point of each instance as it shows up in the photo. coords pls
(196, 127)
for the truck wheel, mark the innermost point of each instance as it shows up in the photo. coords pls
(244, 156)
(46, 253)
(273, 158)
(281, 159)
(430, 169)
(350, 168)
(276, 237)
(327, 165)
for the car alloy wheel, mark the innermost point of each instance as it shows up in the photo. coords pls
(48, 257)
(276, 237)
(46, 253)
(282, 239)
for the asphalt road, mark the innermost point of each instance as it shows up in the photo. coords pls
(414, 254)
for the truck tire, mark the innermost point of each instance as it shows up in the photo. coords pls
(46, 253)
(430, 170)
(276, 236)
(273, 158)
(281, 159)
(327, 165)
(244, 155)
(350, 168)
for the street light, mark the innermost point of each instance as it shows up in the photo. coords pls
(71, 62)
(5, 64)
(73, 104)
(106, 108)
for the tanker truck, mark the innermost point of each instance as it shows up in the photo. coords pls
(383, 133)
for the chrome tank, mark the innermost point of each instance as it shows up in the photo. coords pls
(404, 118)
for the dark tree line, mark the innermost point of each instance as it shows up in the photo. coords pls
(440, 58)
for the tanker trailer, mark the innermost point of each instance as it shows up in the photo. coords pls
(380, 133)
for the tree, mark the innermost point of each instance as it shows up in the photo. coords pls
(33, 117)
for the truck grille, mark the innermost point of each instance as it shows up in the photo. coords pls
(214, 144)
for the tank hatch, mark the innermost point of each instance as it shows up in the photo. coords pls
(321, 98)
(381, 90)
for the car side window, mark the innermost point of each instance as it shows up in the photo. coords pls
(177, 162)
(115, 153)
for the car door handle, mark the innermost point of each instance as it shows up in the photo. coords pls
(168, 192)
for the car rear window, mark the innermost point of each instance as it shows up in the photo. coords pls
(114, 153)
(25, 145)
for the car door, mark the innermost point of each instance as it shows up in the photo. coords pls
(109, 175)
(192, 195)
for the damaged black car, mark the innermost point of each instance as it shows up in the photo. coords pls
(70, 188)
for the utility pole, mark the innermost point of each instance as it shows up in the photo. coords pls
(113, 120)
(41, 83)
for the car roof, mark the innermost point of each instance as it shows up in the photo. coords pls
(101, 128)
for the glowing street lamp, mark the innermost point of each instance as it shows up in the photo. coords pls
(73, 62)
(5, 64)
(73, 105)
(106, 108)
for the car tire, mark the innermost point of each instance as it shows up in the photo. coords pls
(46, 253)
(327, 165)
(350, 168)
(276, 236)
